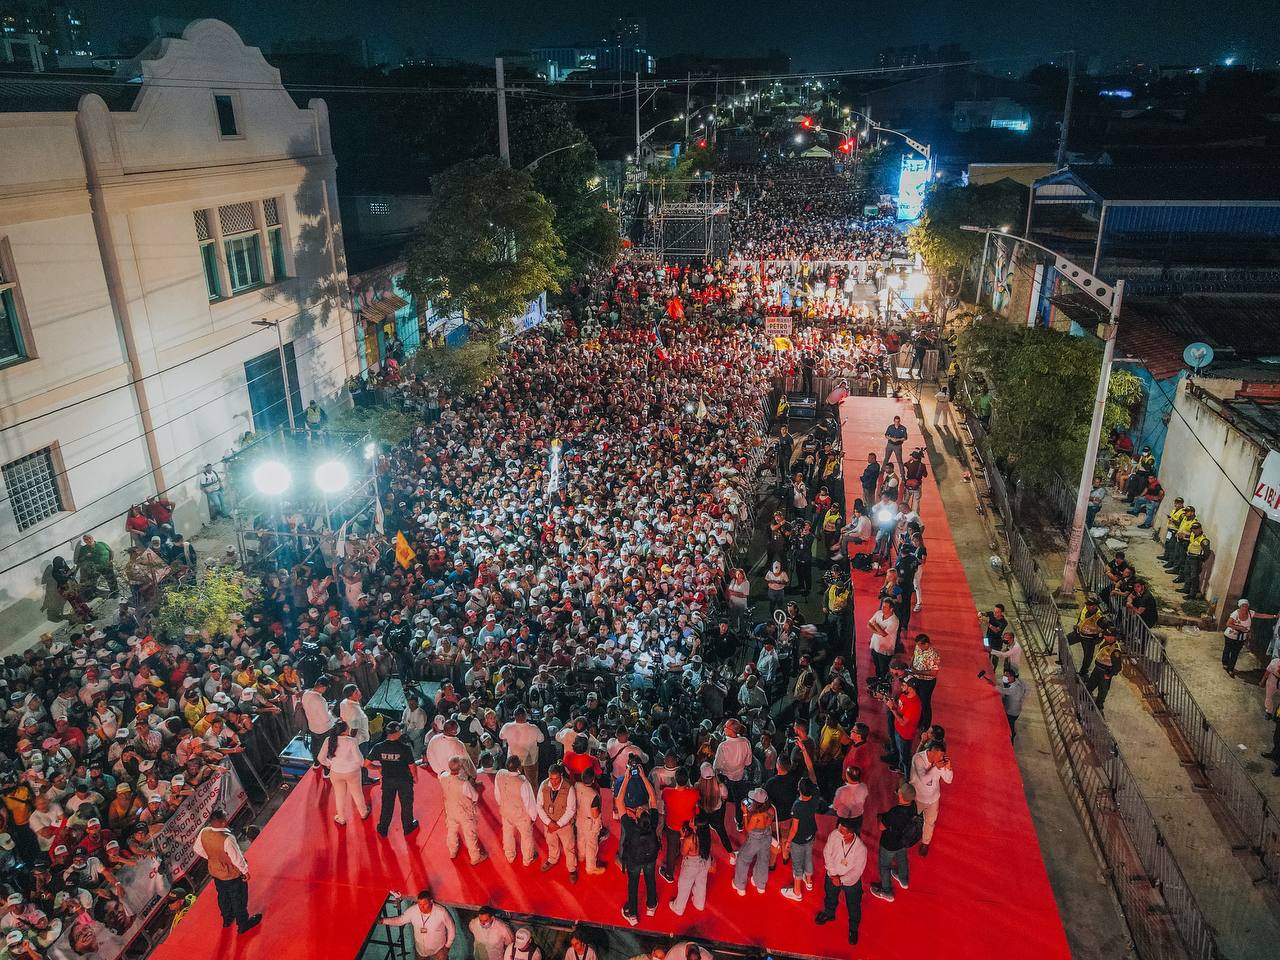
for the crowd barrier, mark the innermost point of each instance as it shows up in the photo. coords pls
(1146, 877)
(1217, 760)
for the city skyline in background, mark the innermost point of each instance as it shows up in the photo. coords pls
(846, 36)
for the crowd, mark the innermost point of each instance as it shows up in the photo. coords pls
(570, 585)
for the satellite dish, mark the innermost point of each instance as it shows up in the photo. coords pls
(1198, 356)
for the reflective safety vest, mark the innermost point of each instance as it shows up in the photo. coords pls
(1174, 520)
(1184, 526)
(1197, 545)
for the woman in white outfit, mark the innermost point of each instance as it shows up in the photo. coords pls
(342, 756)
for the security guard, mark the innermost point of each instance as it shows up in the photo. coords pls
(394, 757)
(1174, 563)
(1171, 524)
(1197, 549)
(836, 603)
(1087, 632)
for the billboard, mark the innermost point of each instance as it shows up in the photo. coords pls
(911, 186)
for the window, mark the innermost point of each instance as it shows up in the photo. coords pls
(208, 255)
(33, 488)
(12, 348)
(226, 107)
(275, 236)
(244, 261)
(379, 208)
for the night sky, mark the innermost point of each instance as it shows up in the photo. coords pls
(817, 36)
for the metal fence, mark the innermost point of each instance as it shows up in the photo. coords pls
(1217, 760)
(1159, 906)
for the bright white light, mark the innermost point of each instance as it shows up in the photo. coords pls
(1229, 62)
(332, 476)
(1005, 229)
(894, 281)
(917, 284)
(884, 514)
(799, 138)
(370, 451)
(272, 478)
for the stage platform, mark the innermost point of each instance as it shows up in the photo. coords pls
(983, 888)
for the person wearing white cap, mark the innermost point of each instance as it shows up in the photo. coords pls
(523, 947)
(760, 824)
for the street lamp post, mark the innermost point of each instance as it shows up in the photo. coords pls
(284, 369)
(1108, 296)
(533, 164)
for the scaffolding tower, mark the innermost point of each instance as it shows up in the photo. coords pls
(693, 228)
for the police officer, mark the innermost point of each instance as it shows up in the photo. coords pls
(394, 758)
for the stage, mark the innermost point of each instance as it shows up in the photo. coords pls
(982, 889)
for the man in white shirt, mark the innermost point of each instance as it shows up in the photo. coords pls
(45, 820)
(490, 936)
(845, 857)
(518, 808)
(433, 929)
(884, 636)
(557, 805)
(522, 739)
(315, 707)
(443, 747)
(461, 811)
(732, 758)
(353, 715)
(930, 769)
(230, 872)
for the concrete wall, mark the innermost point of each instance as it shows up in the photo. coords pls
(96, 215)
(1196, 468)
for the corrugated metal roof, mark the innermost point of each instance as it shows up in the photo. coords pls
(53, 95)
(1207, 182)
(1241, 328)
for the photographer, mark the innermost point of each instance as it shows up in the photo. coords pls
(930, 769)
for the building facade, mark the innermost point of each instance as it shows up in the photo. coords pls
(149, 257)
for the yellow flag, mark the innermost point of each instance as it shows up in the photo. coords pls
(782, 343)
(404, 553)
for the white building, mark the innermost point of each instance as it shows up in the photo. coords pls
(137, 248)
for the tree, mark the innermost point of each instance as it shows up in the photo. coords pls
(1042, 386)
(208, 604)
(488, 246)
(937, 236)
(569, 178)
(461, 370)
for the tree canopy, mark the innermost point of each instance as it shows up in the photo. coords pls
(488, 247)
(1042, 387)
(937, 236)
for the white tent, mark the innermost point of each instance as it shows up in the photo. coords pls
(817, 153)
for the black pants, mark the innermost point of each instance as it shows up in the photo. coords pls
(715, 820)
(881, 661)
(1013, 726)
(924, 688)
(233, 900)
(831, 892)
(1231, 652)
(393, 790)
(738, 790)
(1099, 684)
(671, 855)
(633, 888)
(1087, 645)
(804, 575)
(314, 742)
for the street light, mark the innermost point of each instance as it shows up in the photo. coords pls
(532, 164)
(1109, 296)
(332, 476)
(272, 478)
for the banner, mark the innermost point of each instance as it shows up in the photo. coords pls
(173, 843)
(1266, 495)
(404, 553)
(777, 326)
(145, 889)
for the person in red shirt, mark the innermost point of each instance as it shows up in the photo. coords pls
(579, 758)
(906, 721)
(680, 804)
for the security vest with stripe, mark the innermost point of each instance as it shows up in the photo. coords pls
(1197, 545)
(1174, 520)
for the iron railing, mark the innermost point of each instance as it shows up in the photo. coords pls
(1158, 904)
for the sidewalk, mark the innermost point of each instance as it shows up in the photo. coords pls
(1245, 915)
(26, 627)
(1233, 707)
(1086, 902)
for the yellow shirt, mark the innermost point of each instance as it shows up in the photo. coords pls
(1174, 520)
(837, 599)
(1184, 526)
(1087, 623)
(1197, 544)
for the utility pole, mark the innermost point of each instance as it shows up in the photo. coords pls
(1066, 109)
(637, 129)
(688, 101)
(504, 145)
(982, 270)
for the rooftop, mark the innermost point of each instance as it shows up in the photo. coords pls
(1205, 182)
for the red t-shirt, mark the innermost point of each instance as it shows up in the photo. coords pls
(681, 805)
(910, 722)
(578, 763)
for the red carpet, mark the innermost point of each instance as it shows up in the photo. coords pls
(321, 887)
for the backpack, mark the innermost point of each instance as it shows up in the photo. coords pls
(913, 831)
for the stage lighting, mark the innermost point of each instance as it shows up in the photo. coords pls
(272, 478)
(332, 476)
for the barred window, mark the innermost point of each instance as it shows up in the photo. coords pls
(33, 488)
(271, 212)
(202, 225)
